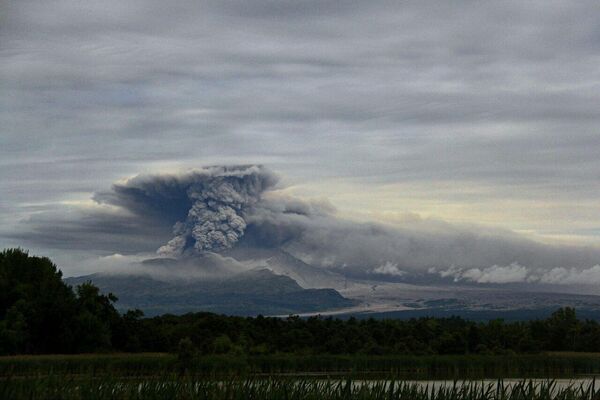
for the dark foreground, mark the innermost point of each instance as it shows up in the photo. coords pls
(186, 388)
(166, 376)
(551, 365)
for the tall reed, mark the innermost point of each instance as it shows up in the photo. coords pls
(174, 387)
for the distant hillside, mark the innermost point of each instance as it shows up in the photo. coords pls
(248, 293)
(283, 263)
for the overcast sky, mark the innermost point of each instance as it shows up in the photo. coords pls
(468, 112)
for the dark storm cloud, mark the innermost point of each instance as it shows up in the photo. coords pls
(496, 95)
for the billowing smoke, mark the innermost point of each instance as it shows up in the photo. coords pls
(229, 209)
(219, 198)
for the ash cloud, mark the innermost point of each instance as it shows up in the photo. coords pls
(220, 197)
(213, 209)
(192, 212)
(207, 207)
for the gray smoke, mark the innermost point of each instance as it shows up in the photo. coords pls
(213, 209)
(313, 233)
(219, 197)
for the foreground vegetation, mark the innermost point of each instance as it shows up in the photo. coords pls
(182, 388)
(208, 356)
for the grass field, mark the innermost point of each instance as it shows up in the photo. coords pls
(551, 365)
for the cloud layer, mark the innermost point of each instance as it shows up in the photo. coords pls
(475, 113)
(468, 111)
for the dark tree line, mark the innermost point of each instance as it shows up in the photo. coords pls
(221, 334)
(39, 313)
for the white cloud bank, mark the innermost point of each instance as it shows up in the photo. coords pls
(516, 273)
(389, 268)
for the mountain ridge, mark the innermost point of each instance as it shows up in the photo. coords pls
(253, 292)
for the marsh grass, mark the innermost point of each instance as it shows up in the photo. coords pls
(90, 388)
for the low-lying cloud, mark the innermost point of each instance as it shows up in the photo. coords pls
(515, 273)
(495, 274)
(389, 268)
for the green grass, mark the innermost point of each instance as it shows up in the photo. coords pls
(184, 388)
(223, 366)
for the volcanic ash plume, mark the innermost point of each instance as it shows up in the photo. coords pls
(219, 197)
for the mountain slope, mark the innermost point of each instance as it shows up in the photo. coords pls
(283, 263)
(248, 293)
